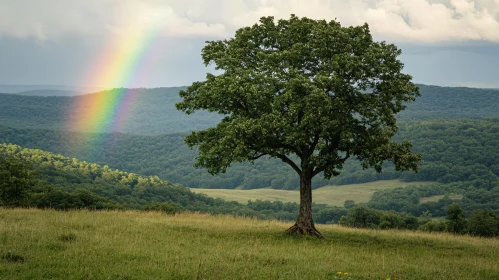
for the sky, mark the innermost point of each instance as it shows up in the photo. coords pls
(153, 43)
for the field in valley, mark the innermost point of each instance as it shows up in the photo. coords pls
(331, 195)
(38, 244)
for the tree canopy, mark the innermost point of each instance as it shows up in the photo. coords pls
(302, 87)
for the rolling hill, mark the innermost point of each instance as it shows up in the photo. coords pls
(454, 150)
(135, 245)
(50, 92)
(153, 110)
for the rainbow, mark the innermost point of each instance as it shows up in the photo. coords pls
(118, 67)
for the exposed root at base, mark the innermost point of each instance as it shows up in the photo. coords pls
(303, 230)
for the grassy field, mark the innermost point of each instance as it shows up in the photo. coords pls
(47, 244)
(332, 195)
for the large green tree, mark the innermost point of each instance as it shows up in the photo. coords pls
(309, 92)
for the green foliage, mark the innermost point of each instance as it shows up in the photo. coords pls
(456, 219)
(303, 87)
(163, 207)
(364, 217)
(434, 226)
(484, 223)
(70, 183)
(17, 179)
(458, 151)
(449, 144)
(481, 223)
(361, 217)
(349, 204)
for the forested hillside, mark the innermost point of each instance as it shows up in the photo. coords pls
(153, 110)
(54, 181)
(453, 151)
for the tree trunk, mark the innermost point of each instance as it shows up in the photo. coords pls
(304, 223)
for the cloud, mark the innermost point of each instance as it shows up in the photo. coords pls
(49, 19)
(421, 21)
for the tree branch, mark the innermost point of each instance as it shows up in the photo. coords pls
(257, 157)
(328, 162)
(316, 141)
(290, 162)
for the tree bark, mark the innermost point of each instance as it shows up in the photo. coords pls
(304, 223)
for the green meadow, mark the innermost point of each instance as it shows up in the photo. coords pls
(47, 244)
(331, 195)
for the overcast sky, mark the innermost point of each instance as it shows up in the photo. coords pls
(64, 42)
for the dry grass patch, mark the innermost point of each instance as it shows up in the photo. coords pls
(331, 195)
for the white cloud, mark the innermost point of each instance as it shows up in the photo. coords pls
(426, 21)
(49, 19)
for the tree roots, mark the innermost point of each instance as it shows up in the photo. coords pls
(304, 230)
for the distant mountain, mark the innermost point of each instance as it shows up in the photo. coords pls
(152, 111)
(25, 88)
(149, 111)
(438, 103)
(50, 92)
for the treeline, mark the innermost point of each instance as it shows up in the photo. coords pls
(35, 178)
(408, 199)
(482, 222)
(152, 111)
(453, 151)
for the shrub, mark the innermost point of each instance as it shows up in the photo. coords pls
(484, 223)
(361, 217)
(456, 219)
(434, 226)
(163, 207)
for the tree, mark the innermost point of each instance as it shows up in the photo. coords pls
(456, 219)
(309, 92)
(484, 223)
(17, 179)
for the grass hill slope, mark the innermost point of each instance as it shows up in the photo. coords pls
(130, 245)
(152, 111)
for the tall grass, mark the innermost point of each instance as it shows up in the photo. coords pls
(138, 245)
